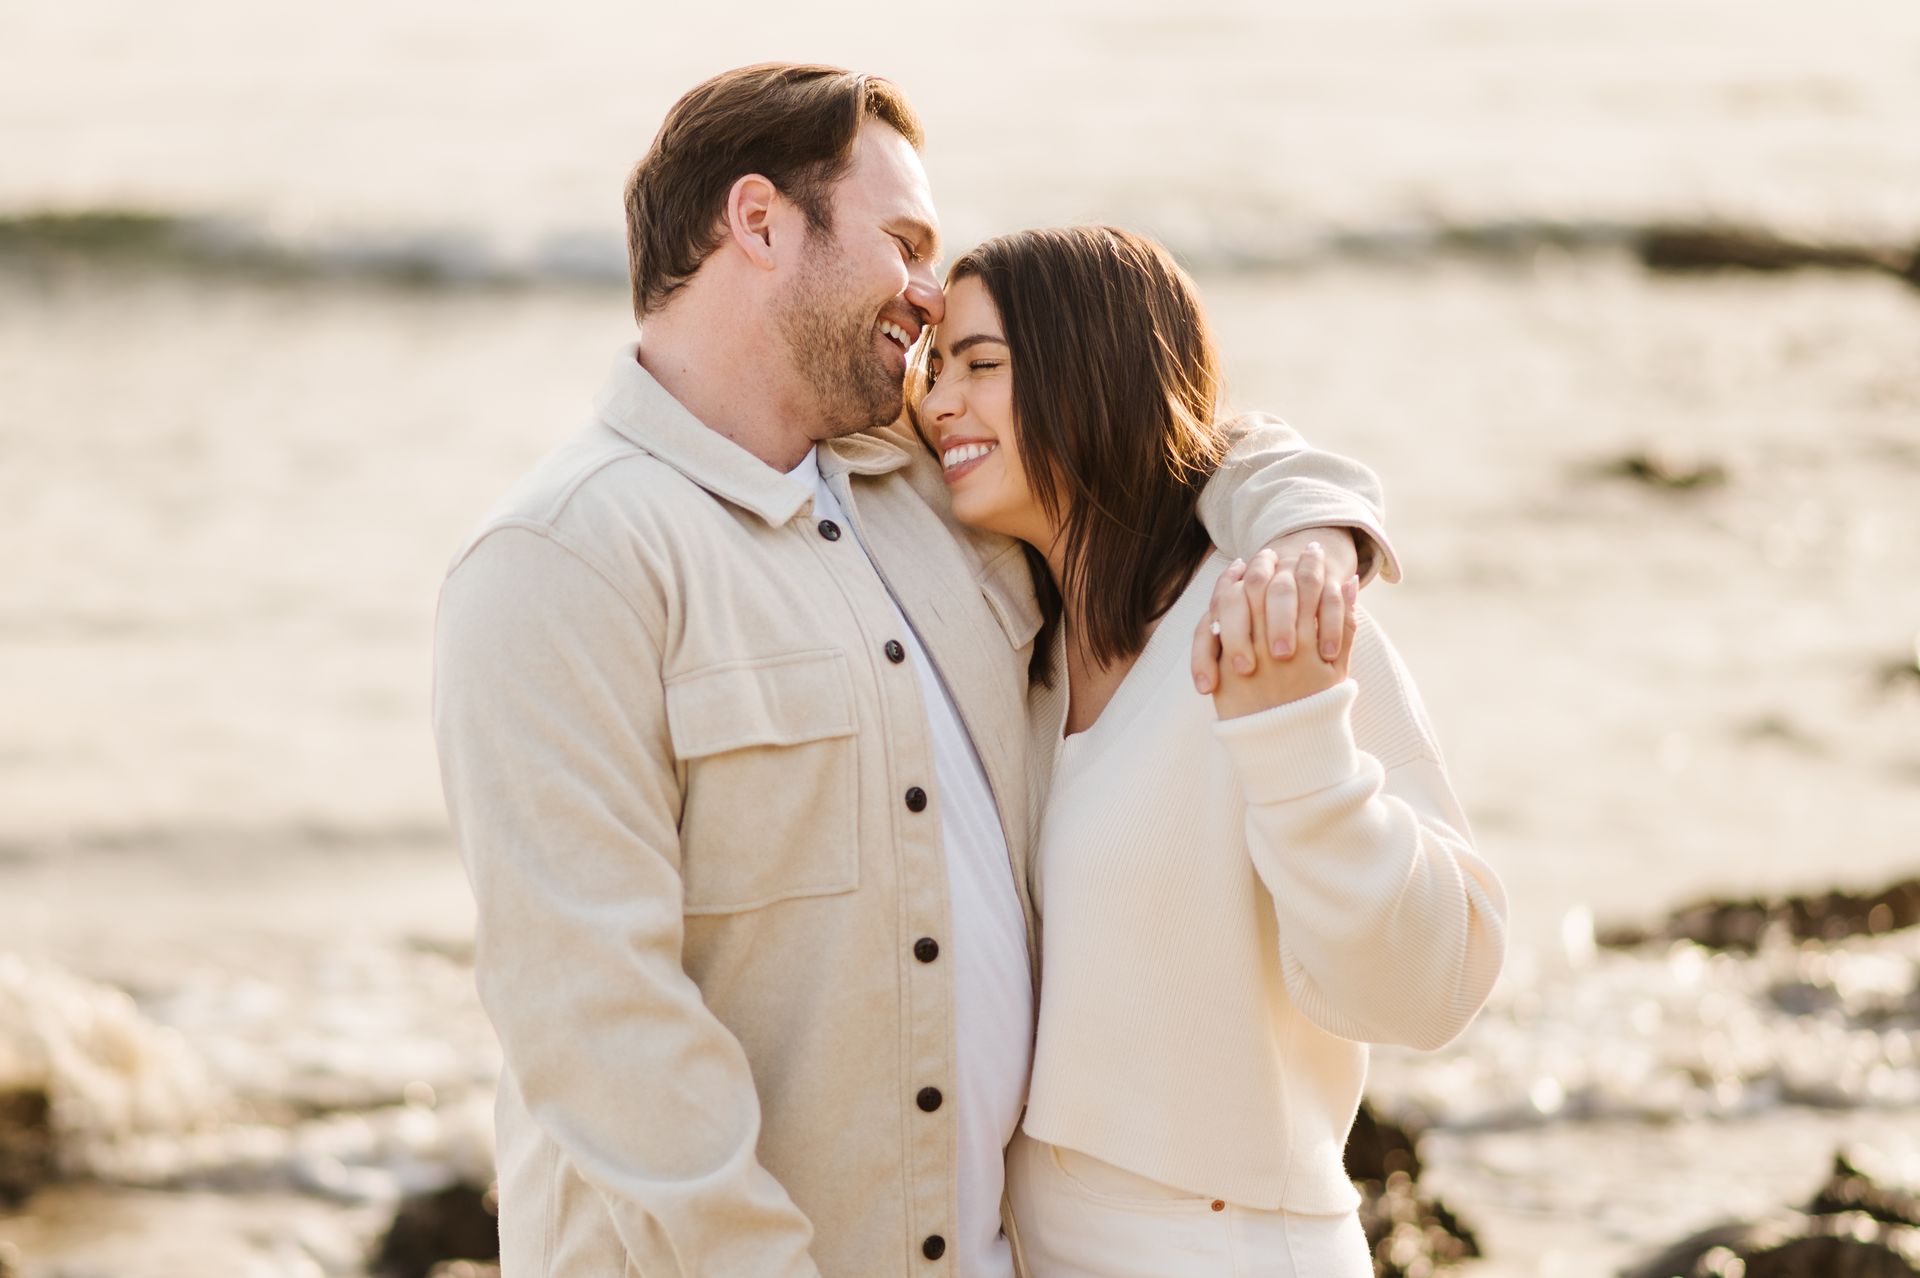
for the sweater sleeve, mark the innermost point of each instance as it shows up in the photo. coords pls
(1273, 482)
(549, 712)
(1392, 928)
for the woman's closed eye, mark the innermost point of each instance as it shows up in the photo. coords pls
(973, 366)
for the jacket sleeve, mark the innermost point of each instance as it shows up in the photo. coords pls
(1392, 928)
(1273, 483)
(549, 713)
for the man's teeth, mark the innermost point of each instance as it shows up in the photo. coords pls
(960, 454)
(897, 333)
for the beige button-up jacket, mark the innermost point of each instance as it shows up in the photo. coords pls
(696, 803)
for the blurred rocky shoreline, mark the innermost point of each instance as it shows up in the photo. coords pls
(39, 241)
(184, 1094)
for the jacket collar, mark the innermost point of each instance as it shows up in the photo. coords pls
(639, 408)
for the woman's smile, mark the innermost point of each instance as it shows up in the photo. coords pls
(961, 457)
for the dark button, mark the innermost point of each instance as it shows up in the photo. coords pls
(895, 652)
(926, 949)
(916, 800)
(934, 1247)
(1218, 1205)
(929, 1099)
(829, 530)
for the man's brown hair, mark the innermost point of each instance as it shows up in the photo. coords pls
(1116, 383)
(790, 123)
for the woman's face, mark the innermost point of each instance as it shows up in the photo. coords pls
(968, 412)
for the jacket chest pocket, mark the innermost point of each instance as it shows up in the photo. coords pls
(772, 781)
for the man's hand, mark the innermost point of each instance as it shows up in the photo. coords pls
(1300, 585)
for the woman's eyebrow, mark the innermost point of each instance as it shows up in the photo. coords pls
(973, 340)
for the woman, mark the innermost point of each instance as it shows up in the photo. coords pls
(1238, 892)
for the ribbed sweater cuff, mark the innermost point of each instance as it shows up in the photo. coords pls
(1296, 749)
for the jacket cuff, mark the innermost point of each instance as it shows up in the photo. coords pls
(1296, 749)
(1318, 505)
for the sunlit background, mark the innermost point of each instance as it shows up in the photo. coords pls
(287, 295)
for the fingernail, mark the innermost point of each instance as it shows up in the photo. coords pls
(1282, 649)
(1352, 590)
(1202, 683)
(1313, 545)
(1243, 664)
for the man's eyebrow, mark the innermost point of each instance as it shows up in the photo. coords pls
(967, 343)
(925, 238)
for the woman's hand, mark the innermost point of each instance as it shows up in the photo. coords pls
(1285, 588)
(1275, 681)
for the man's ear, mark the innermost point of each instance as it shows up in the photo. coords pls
(751, 209)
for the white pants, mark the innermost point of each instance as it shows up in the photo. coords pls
(1078, 1217)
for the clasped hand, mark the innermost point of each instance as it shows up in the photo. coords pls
(1280, 625)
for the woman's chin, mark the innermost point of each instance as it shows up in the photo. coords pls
(973, 510)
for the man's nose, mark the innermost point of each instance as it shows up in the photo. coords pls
(924, 295)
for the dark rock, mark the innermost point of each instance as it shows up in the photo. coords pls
(1848, 1189)
(1853, 1228)
(1739, 925)
(1410, 1235)
(1376, 1148)
(1793, 1245)
(1737, 248)
(1901, 670)
(460, 1222)
(1665, 471)
(27, 1144)
(1721, 925)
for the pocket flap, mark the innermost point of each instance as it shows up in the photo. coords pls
(766, 701)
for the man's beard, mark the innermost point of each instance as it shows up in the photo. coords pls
(831, 344)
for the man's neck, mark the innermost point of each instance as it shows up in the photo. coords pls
(722, 378)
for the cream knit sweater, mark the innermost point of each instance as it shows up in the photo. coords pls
(1231, 911)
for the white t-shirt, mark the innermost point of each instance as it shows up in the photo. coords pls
(992, 979)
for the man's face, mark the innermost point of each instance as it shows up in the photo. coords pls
(863, 290)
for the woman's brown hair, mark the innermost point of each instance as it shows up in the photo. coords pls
(1116, 383)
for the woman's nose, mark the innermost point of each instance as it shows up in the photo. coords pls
(942, 408)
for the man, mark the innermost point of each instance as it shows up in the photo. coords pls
(731, 726)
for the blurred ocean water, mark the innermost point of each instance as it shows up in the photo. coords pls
(1235, 129)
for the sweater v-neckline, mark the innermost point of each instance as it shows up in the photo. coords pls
(1135, 689)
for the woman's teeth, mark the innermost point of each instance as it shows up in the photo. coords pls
(898, 334)
(961, 454)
